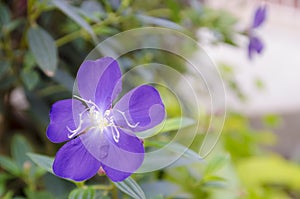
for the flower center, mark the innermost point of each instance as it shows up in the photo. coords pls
(92, 117)
(98, 120)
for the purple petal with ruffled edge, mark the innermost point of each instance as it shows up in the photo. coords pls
(74, 162)
(259, 16)
(124, 156)
(109, 86)
(140, 109)
(61, 117)
(255, 46)
(91, 73)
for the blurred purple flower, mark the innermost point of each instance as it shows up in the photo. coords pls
(255, 44)
(99, 135)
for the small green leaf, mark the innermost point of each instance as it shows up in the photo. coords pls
(177, 123)
(177, 148)
(171, 124)
(7, 164)
(215, 164)
(87, 193)
(159, 22)
(42, 161)
(30, 78)
(42, 45)
(130, 187)
(19, 148)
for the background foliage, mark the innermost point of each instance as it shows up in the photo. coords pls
(43, 42)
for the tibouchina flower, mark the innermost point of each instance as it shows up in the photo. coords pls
(98, 134)
(255, 44)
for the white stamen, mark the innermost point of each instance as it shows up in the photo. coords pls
(127, 122)
(78, 129)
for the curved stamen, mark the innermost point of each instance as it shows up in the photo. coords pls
(88, 102)
(116, 133)
(126, 120)
(79, 128)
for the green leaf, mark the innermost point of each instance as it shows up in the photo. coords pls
(272, 170)
(130, 187)
(19, 148)
(177, 148)
(215, 164)
(159, 22)
(177, 123)
(8, 195)
(4, 15)
(42, 45)
(10, 166)
(30, 78)
(38, 194)
(171, 124)
(70, 11)
(87, 193)
(42, 161)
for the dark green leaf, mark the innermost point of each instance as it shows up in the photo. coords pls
(19, 148)
(30, 78)
(42, 161)
(7, 164)
(42, 45)
(38, 194)
(130, 187)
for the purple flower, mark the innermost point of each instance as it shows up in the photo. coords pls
(255, 44)
(100, 135)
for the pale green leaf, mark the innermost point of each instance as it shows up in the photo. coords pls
(130, 187)
(10, 166)
(171, 124)
(42, 161)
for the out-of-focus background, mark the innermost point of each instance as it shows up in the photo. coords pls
(43, 43)
(277, 69)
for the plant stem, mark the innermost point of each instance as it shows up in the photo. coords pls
(79, 184)
(111, 18)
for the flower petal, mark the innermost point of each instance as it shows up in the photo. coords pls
(109, 86)
(255, 45)
(74, 162)
(91, 73)
(121, 157)
(115, 175)
(259, 16)
(140, 109)
(61, 117)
